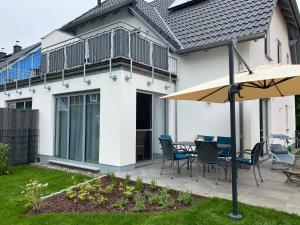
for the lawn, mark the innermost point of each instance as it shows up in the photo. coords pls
(211, 212)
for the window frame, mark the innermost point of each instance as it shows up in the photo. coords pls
(68, 96)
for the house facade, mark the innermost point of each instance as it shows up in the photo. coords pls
(102, 75)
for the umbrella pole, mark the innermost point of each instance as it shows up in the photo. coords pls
(234, 215)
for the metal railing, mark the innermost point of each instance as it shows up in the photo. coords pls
(104, 44)
(25, 67)
(116, 42)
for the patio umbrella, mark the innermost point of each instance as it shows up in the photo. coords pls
(263, 82)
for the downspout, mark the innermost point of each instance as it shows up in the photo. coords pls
(241, 112)
(176, 112)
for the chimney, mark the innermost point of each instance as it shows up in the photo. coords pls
(2, 54)
(17, 47)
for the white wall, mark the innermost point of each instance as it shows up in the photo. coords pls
(213, 119)
(56, 39)
(117, 112)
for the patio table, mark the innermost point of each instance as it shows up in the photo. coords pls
(188, 145)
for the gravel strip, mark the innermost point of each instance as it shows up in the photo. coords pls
(67, 169)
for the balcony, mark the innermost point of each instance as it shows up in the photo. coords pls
(103, 46)
(117, 42)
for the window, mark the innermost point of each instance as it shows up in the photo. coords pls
(77, 127)
(22, 104)
(267, 46)
(279, 52)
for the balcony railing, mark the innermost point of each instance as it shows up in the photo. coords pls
(24, 68)
(115, 43)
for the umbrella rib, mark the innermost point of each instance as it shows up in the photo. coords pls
(251, 86)
(211, 93)
(283, 80)
(278, 90)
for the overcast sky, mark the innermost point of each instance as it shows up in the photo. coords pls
(29, 20)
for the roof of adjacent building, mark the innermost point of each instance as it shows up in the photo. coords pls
(201, 24)
(14, 57)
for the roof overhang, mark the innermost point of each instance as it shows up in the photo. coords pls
(72, 25)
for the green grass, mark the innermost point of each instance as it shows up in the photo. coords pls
(298, 153)
(211, 212)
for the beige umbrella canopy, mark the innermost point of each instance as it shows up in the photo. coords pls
(265, 82)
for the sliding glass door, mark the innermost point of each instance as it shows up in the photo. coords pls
(150, 124)
(77, 127)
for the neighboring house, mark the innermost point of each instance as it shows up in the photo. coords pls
(17, 67)
(102, 75)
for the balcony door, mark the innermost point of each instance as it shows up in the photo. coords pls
(150, 124)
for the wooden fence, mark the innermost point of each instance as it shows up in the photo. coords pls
(19, 129)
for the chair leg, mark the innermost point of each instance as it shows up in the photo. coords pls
(191, 167)
(198, 171)
(216, 175)
(258, 166)
(172, 169)
(204, 166)
(255, 175)
(162, 167)
(178, 168)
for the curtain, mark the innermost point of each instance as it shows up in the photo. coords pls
(76, 127)
(61, 127)
(92, 128)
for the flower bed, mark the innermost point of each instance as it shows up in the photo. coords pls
(111, 194)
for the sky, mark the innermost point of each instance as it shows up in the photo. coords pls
(29, 20)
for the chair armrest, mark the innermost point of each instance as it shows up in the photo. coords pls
(247, 151)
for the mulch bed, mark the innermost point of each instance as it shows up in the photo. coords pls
(60, 203)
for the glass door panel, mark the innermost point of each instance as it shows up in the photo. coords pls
(92, 128)
(159, 124)
(61, 127)
(143, 127)
(76, 127)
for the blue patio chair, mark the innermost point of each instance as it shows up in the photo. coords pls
(205, 138)
(172, 154)
(254, 160)
(224, 146)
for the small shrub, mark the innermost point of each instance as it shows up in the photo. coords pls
(129, 191)
(153, 184)
(96, 183)
(3, 159)
(139, 184)
(33, 192)
(109, 189)
(120, 204)
(71, 193)
(139, 202)
(162, 199)
(74, 181)
(185, 198)
(100, 200)
(127, 179)
(111, 175)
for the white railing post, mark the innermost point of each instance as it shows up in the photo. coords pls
(31, 75)
(86, 59)
(127, 78)
(151, 63)
(5, 81)
(47, 71)
(64, 67)
(113, 77)
(18, 77)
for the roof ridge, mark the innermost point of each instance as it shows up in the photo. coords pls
(170, 30)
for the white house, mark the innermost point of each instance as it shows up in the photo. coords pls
(102, 75)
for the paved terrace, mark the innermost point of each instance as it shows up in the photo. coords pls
(273, 193)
